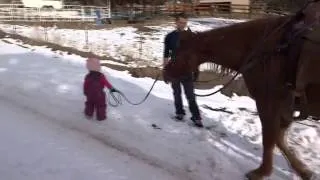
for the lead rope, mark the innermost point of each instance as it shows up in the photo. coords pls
(116, 96)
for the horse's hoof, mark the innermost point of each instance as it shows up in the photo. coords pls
(254, 175)
(301, 117)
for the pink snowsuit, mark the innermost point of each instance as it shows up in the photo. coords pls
(93, 86)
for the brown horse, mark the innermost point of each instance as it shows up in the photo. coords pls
(251, 48)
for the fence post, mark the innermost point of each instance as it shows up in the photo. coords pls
(11, 13)
(39, 14)
(86, 38)
(140, 45)
(45, 33)
(109, 10)
(14, 29)
(82, 13)
(250, 11)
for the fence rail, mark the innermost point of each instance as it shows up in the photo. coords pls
(217, 9)
(226, 8)
(77, 13)
(15, 12)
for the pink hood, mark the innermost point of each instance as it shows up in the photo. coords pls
(93, 64)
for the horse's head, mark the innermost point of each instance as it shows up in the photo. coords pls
(185, 61)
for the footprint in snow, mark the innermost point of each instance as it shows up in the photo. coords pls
(250, 121)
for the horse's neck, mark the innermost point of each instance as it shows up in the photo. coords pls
(231, 46)
(229, 50)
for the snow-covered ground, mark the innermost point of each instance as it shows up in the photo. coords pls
(123, 43)
(45, 135)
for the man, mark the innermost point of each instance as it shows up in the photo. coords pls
(170, 46)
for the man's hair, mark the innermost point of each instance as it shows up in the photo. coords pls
(181, 15)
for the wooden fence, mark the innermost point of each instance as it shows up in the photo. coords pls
(217, 9)
(14, 12)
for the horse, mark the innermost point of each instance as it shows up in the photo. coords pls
(252, 49)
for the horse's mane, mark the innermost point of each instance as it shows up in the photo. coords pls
(237, 31)
(243, 26)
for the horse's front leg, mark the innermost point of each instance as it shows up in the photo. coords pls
(300, 93)
(269, 113)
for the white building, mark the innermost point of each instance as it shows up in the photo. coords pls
(56, 4)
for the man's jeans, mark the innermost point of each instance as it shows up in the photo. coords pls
(188, 86)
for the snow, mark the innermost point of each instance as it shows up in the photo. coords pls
(45, 135)
(145, 47)
(37, 148)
